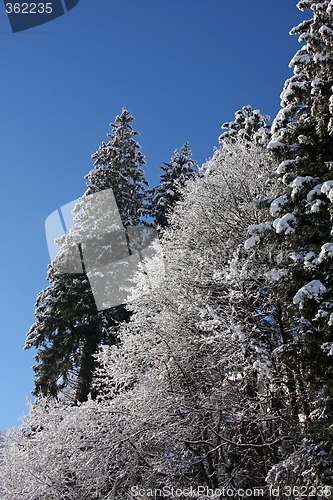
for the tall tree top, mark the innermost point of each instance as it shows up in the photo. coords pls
(248, 124)
(306, 118)
(68, 328)
(118, 166)
(175, 174)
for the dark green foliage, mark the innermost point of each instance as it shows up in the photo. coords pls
(302, 142)
(175, 174)
(69, 329)
(118, 166)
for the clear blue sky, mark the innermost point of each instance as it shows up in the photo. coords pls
(182, 67)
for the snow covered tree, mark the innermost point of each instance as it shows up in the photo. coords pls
(175, 174)
(302, 130)
(192, 362)
(249, 124)
(61, 451)
(299, 236)
(118, 166)
(68, 327)
(191, 392)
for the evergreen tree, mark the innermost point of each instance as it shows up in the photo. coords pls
(300, 242)
(118, 166)
(175, 174)
(69, 328)
(302, 136)
(249, 124)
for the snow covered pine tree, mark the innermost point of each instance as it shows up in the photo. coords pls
(167, 193)
(68, 327)
(249, 124)
(301, 238)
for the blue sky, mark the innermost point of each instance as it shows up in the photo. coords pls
(182, 67)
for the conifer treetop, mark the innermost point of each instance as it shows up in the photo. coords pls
(248, 124)
(175, 174)
(118, 166)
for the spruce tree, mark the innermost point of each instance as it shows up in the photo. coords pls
(69, 329)
(300, 240)
(302, 136)
(118, 166)
(249, 124)
(175, 174)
